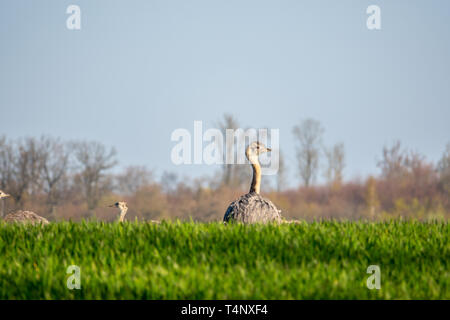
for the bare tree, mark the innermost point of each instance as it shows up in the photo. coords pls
(169, 181)
(443, 168)
(309, 136)
(94, 160)
(6, 167)
(23, 160)
(132, 179)
(6, 163)
(233, 175)
(54, 173)
(281, 175)
(393, 162)
(335, 164)
(228, 122)
(371, 197)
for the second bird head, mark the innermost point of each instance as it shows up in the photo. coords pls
(120, 205)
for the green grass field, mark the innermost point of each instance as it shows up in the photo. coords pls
(322, 260)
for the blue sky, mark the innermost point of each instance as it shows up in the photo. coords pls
(137, 70)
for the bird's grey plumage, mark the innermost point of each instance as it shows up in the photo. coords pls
(25, 217)
(252, 208)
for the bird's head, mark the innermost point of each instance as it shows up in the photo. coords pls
(3, 195)
(255, 149)
(122, 205)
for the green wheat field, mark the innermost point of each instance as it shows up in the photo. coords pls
(175, 260)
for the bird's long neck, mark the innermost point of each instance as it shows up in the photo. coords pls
(256, 181)
(123, 212)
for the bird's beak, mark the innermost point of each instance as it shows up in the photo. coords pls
(112, 206)
(268, 149)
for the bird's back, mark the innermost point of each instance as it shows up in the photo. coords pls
(252, 208)
(25, 217)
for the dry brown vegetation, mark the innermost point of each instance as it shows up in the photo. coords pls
(67, 180)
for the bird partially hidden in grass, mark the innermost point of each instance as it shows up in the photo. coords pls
(122, 206)
(22, 216)
(252, 207)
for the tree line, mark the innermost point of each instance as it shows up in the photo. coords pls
(74, 180)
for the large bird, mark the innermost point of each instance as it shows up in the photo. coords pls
(22, 216)
(252, 207)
